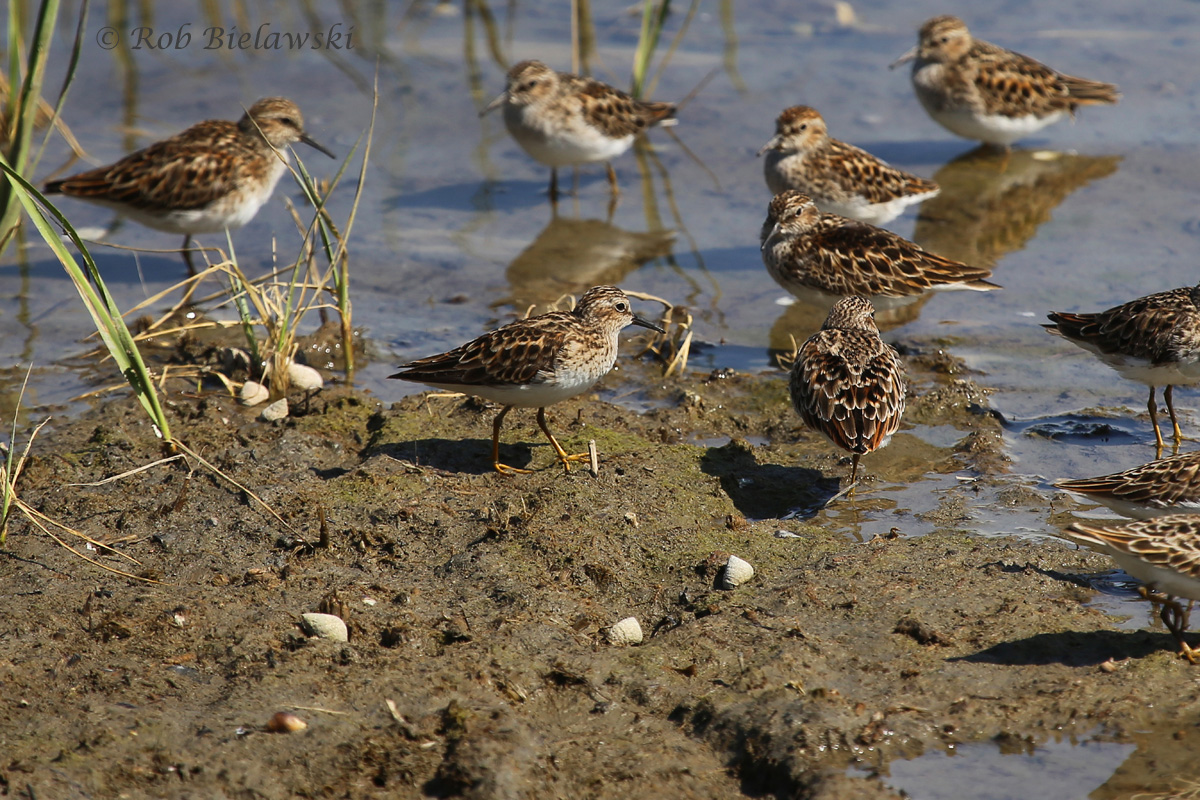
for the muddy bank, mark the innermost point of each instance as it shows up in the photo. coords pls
(478, 605)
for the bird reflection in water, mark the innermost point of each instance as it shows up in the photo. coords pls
(993, 202)
(570, 255)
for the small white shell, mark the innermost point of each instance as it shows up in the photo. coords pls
(737, 571)
(326, 626)
(277, 410)
(254, 393)
(627, 631)
(304, 378)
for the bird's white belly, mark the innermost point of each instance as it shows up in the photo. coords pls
(562, 142)
(1164, 580)
(992, 128)
(534, 395)
(874, 213)
(233, 210)
(1181, 373)
(1134, 510)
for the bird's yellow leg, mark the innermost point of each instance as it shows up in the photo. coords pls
(503, 469)
(563, 456)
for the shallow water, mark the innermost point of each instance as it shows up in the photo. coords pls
(1057, 770)
(455, 233)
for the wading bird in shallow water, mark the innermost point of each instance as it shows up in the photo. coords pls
(565, 120)
(847, 383)
(1153, 340)
(1162, 487)
(535, 362)
(1163, 553)
(839, 177)
(980, 91)
(212, 176)
(806, 250)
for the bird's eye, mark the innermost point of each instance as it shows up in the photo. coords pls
(291, 123)
(944, 39)
(530, 84)
(622, 307)
(804, 127)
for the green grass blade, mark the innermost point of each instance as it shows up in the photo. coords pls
(25, 115)
(653, 17)
(96, 298)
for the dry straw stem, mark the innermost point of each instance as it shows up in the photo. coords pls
(249, 493)
(338, 272)
(674, 346)
(279, 306)
(42, 522)
(10, 474)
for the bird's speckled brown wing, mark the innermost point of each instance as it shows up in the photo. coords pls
(1014, 84)
(612, 111)
(188, 171)
(1160, 327)
(520, 353)
(1163, 483)
(857, 172)
(883, 263)
(850, 386)
(1172, 541)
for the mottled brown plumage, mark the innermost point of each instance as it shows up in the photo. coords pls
(535, 362)
(980, 91)
(564, 120)
(1154, 340)
(840, 178)
(805, 249)
(212, 176)
(1166, 486)
(1164, 553)
(847, 384)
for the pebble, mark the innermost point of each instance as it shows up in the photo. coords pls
(304, 377)
(326, 626)
(277, 410)
(737, 571)
(253, 393)
(627, 631)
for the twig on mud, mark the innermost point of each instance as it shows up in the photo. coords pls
(133, 471)
(249, 493)
(785, 360)
(10, 472)
(675, 345)
(37, 518)
(406, 727)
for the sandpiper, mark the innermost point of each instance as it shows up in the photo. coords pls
(847, 383)
(805, 249)
(1164, 553)
(1162, 487)
(535, 362)
(840, 178)
(212, 176)
(1154, 340)
(980, 91)
(564, 120)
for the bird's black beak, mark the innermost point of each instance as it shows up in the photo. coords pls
(311, 142)
(645, 323)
